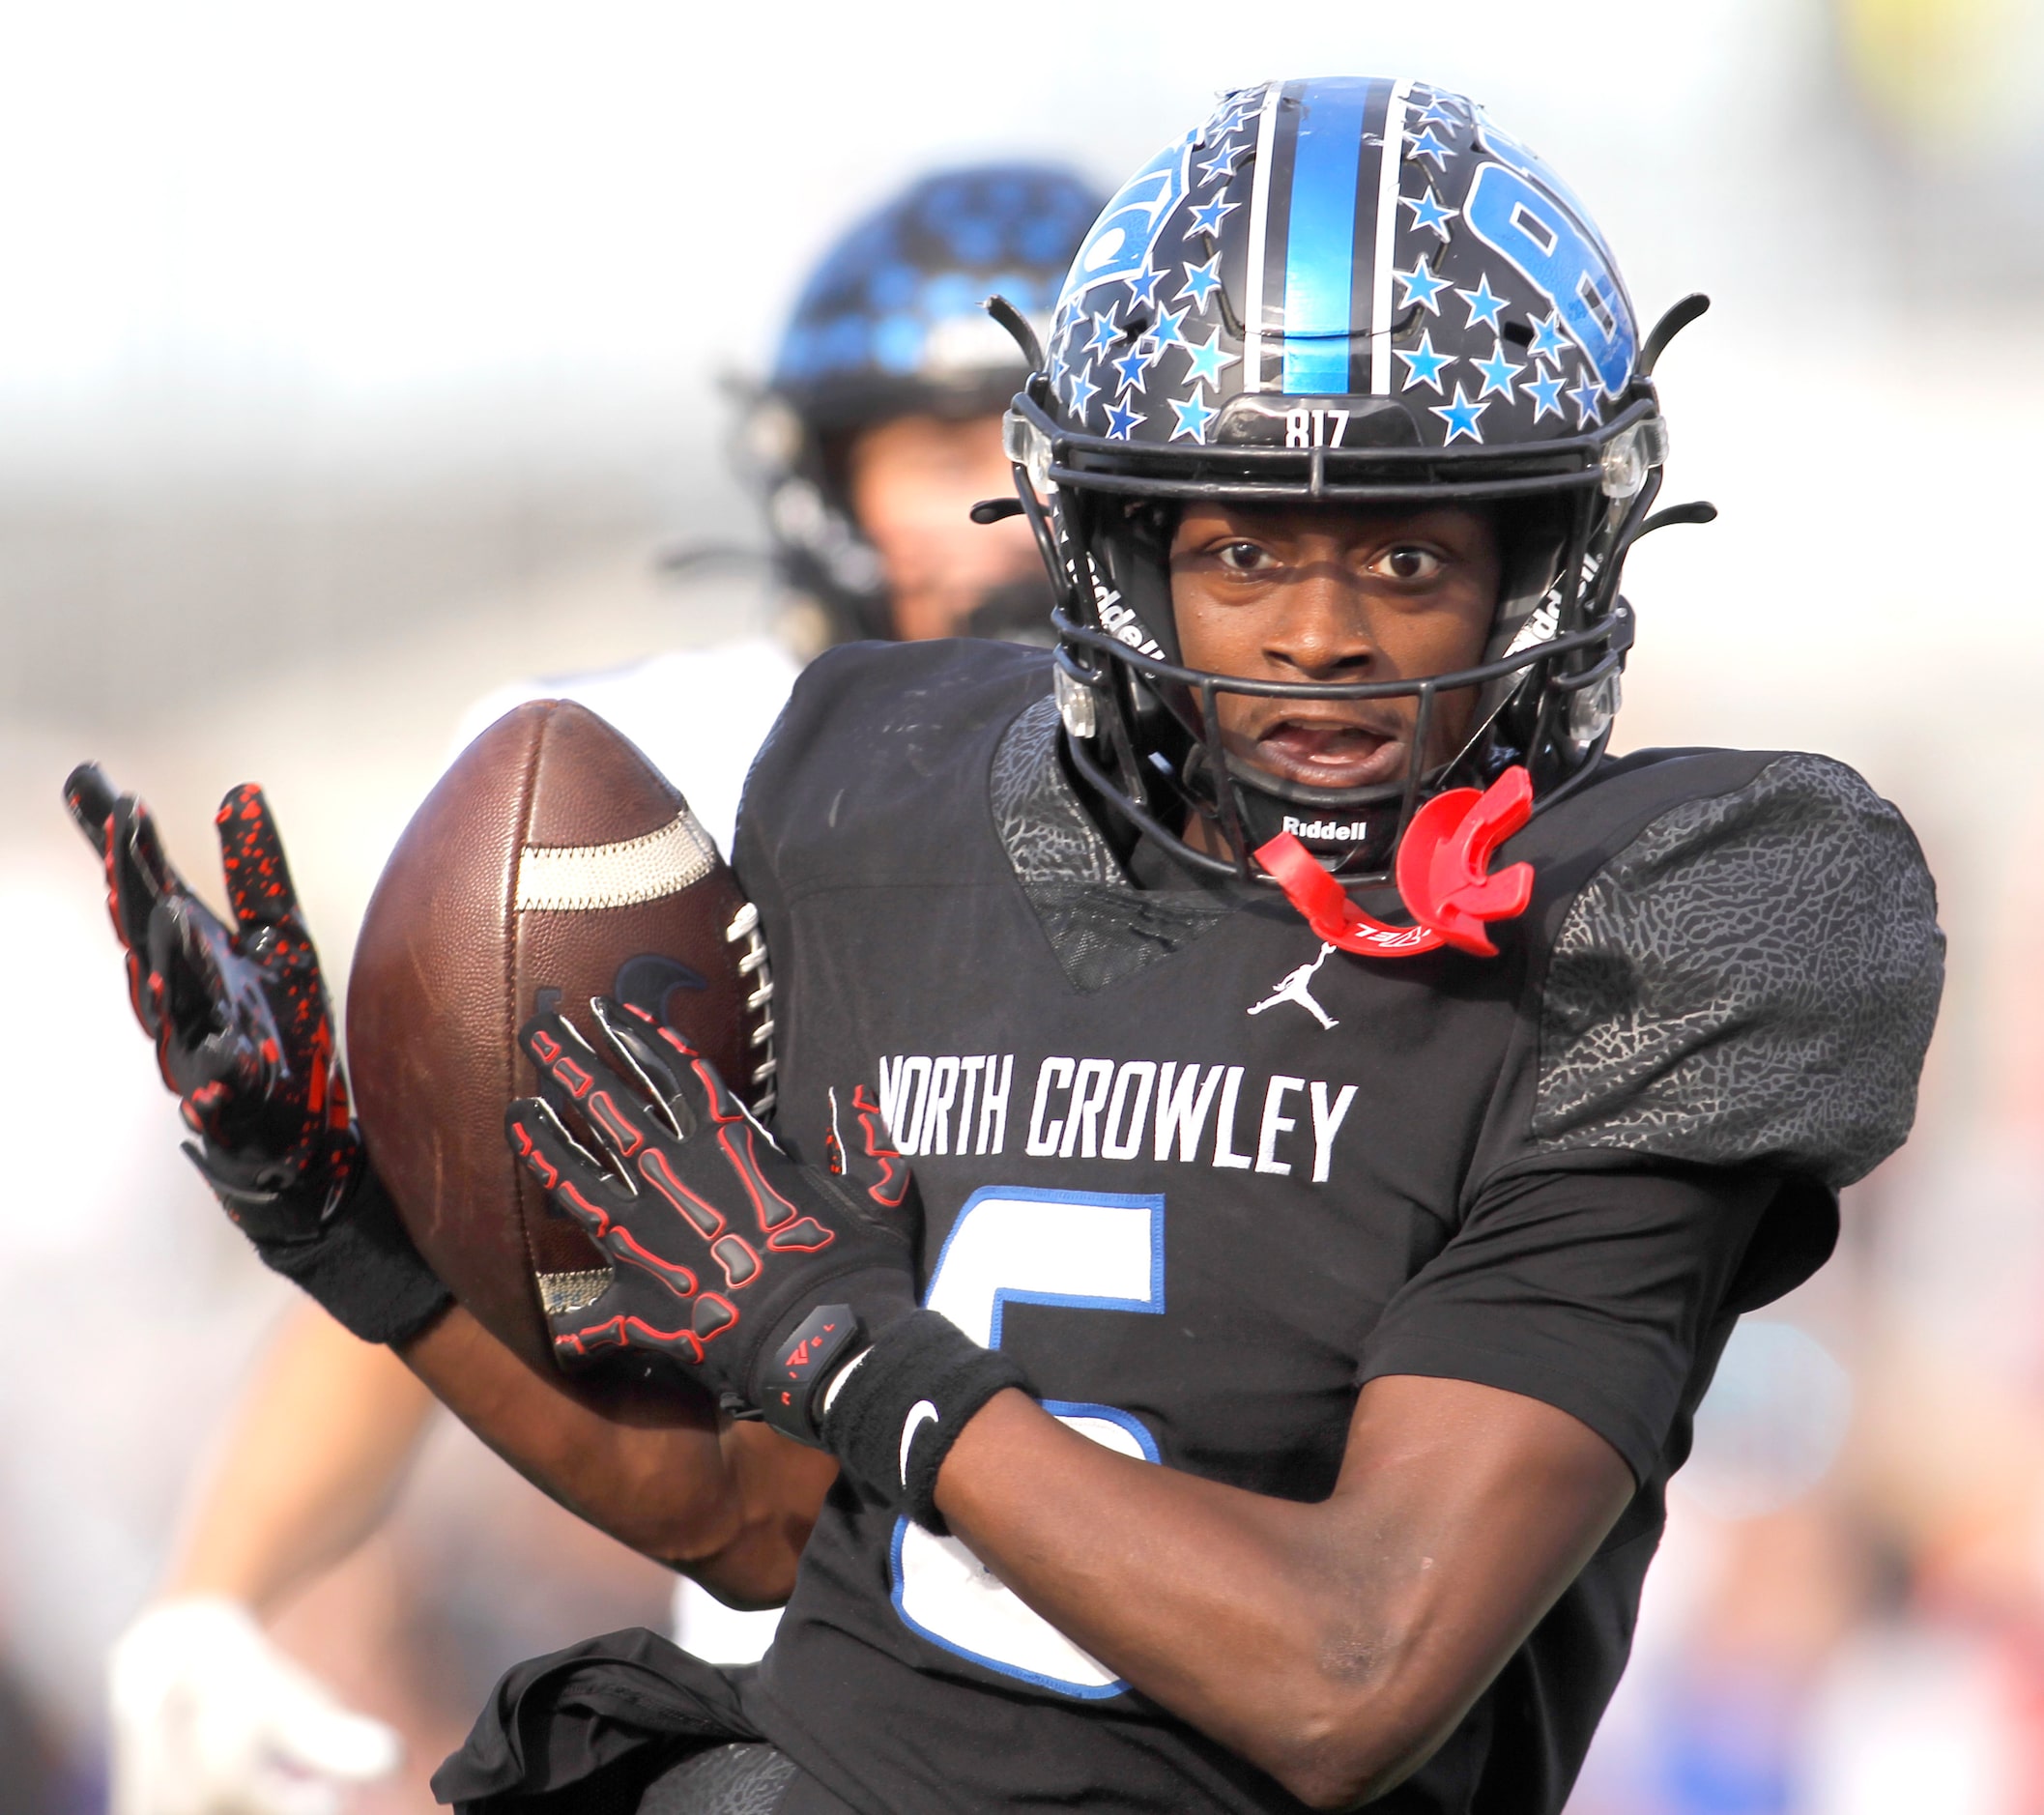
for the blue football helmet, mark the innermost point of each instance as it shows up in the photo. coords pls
(1343, 292)
(890, 325)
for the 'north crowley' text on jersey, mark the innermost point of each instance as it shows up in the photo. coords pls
(1098, 1109)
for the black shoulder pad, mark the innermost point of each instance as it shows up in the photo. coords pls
(1752, 979)
(872, 736)
(1102, 928)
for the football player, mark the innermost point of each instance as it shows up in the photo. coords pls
(1348, 1110)
(877, 430)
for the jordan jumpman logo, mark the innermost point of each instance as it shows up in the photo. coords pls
(1297, 987)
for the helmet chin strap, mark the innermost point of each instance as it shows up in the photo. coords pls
(1444, 876)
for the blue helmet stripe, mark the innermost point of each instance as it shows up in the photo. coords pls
(1320, 249)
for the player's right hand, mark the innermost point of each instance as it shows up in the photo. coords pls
(210, 1718)
(240, 1017)
(760, 1275)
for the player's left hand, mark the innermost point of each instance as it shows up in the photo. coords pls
(756, 1275)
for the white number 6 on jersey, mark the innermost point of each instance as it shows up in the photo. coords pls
(1092, 1251)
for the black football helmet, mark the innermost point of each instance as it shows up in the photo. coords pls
(890, 325)
(1345, 292)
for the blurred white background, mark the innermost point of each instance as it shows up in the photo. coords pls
(355, 360)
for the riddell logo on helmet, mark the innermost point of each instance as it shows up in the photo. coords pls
(1341, 832)
(1120, 621)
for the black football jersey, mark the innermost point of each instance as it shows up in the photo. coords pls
(1203, 1176)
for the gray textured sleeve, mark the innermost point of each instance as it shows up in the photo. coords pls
(1752, 980)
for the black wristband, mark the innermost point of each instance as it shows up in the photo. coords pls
(903, 1403)
(363, 1268)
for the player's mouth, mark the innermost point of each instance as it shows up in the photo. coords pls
(1323, 751)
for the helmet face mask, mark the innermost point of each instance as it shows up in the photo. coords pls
(1277, 311)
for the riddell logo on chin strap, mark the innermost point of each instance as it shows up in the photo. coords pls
(1339, 831)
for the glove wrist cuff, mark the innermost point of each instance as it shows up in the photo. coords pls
(903, 1405)
(362, 1267)
(793, 1373)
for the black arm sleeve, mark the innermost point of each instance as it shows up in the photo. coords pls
(1607, 1294)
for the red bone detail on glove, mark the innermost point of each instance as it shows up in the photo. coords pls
(677, 1183)
(1443, 873)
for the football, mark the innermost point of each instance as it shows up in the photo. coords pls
(551, 857)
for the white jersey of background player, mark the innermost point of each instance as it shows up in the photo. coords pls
(879, 428)
(699, 714)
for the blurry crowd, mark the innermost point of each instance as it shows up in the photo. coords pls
(1847, 1616)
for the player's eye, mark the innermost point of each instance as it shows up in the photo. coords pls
(1408, 563)
(1244, 558)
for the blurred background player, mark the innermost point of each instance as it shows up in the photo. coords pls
(877, 430)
